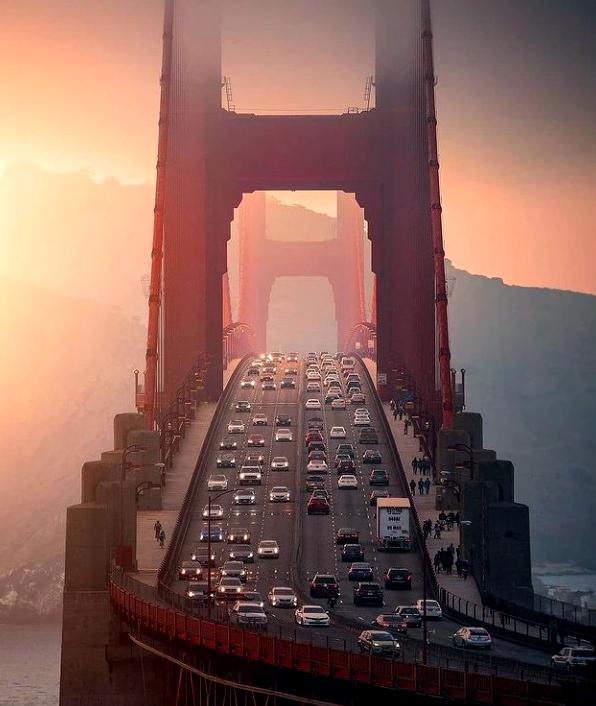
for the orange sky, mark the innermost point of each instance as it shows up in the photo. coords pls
(517, 145)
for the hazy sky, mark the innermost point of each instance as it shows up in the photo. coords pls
(516, 98)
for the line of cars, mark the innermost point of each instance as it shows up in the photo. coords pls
(243, 451)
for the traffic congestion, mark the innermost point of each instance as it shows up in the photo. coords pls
(302, 518)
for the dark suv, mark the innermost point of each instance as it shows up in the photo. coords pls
(372, 456)
(346, 449)
(323, 586)
(378, 476)
(282, 420)
(352, 552)
(368, 594)
(398, 578)
(368, 436)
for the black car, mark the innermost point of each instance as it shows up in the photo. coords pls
(282, 420)
(201, 553)
(242, 552)
(323, 586)
(409, 613)
(238, 535)
(243, 406)
(352, 552)
(317, 446)
(360, 571)
(368, 594)
(346, 449)
(254, 459)
(347, 535)
(315, 482)
(317, 456)
(315, 424)
(226, 461)
(368, 436)
(378, 476)
(398, 578)
(372, 456)
(228, 445)
(288, 383)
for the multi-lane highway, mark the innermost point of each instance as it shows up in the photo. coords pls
(307, 543)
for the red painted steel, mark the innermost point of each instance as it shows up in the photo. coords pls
(151, 356)
(330, 662)
(436, 222)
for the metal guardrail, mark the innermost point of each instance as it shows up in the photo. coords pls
(167, 568)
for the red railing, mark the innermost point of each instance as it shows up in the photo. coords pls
(329, 662)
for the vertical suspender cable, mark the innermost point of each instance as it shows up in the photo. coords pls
(158, 222)
(436, 223)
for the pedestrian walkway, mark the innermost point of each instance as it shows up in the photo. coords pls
(408, 448)
(149, 553)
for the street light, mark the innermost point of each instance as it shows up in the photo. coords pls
(460, 446)
(121, 560)
(209, 501)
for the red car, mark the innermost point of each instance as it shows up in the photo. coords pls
(318, 506)
(313, 435)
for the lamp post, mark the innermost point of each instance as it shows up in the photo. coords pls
(209, 501)
(465, 447)
(121, 560)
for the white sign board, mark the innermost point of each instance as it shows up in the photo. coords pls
(357, 344)
(381, 378)
(371, 343)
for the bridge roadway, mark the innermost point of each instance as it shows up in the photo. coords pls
(307, 543)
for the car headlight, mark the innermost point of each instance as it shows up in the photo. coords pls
(183, 571)
(245, 537)
(276, 550)
(238, 589)
(273, 600)
(221, 589)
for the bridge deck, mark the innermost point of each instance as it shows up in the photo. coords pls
(149, 553)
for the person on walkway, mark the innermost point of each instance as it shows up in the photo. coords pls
(458, 567)
(392, 405)
(413, 486)
(437, 562)
(401, 413)
(442, 516)
(427, 485)
(420, 487)
(414, 465)
(458, 551)
(464, 568)
(437, 531)
(157, 529)
(451, 549)
(162, 538)
(406, 426)
(427, 527)
(394, 414)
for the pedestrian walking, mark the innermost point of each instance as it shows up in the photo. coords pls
(437, 562)
(458, 567)
(392, 405)
(157, 529)
(401, 414)
(394, 414)
(464, 568)
(458, 551)
(427, 485)
(448, 562)
(162, 538)
(413, 486)
(414, 465)
(406, 426)
(437, 530)
(420, 487)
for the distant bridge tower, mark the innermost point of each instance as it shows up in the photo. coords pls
(263, 259)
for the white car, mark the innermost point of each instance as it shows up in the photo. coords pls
(338, 404)
(331, 378)
(348, 481)
(313, 375)
(357, 398)
(433, 609)
(310, 404)
(229, 586)
(337, 433)
(283, 435)
(361, 420)
(236, 426)
(279, 494)
(216, 511)
(282, 597)
(245, 496)
(313, 386)
(268, 548)
(248, 613)
(312, 615)
(260, 420)
(280, 463)
(217, 482)
(316, 466)
(478, 638)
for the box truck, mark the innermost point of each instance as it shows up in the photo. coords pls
(394, 521)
